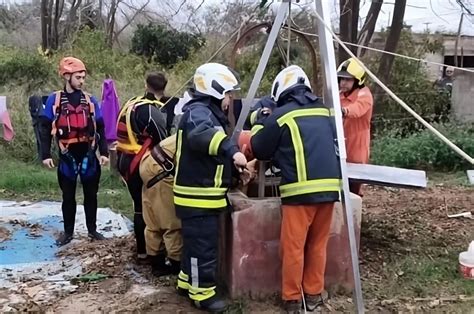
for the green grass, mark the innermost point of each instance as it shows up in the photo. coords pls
(31, 181)
(458, 178)
(423, 276)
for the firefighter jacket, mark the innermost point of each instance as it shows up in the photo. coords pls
(300, 138)
(204, 162)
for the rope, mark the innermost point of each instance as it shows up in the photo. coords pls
(395, 97)
(388, 52)
(289, 37)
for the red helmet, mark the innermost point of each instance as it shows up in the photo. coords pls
(244, 144)
(71, 65)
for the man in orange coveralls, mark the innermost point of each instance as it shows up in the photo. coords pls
(357, 103)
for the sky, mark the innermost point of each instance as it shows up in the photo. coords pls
(442, 15)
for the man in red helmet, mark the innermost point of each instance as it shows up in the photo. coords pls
(74, 118)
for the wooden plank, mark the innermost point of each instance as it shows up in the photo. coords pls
(386, 176)
(376, 175)
(470, 176)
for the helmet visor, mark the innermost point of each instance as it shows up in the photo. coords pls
(345, 74)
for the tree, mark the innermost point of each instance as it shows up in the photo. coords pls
(348, 25)
(368, 28)
(160, 44)
(386, 61)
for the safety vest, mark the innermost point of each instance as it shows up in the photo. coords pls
(129, 141)
(73, 124)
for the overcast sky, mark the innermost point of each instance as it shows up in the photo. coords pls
(442, 15)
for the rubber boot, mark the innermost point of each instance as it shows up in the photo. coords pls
(159, 267)
(175, 266)
(214, 304)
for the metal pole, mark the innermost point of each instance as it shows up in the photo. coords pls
(332, 99)
(247, 102)
(283, 11)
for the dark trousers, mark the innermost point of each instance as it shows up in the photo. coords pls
(199, 255)
(68, 188)
(134, 185)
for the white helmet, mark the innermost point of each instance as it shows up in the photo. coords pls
(214, 79)
(288, 78)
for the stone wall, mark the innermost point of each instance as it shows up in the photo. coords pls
(463, 96)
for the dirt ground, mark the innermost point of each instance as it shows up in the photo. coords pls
(398, 226)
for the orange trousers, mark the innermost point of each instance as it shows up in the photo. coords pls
(303, 242)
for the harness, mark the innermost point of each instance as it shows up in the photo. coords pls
(73, 124)
(128, 141)
(166, 163)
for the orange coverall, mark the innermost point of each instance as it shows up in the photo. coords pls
(359, 105)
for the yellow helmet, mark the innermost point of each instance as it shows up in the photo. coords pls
(351, 69)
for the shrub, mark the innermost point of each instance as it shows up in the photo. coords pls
(167, 47)
(23, 68)
(423, 150)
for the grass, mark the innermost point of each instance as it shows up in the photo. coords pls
(458, 178)
(30, 181)
(421, 276)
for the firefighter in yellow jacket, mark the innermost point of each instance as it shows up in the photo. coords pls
(163, 228)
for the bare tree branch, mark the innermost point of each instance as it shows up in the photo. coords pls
(130, 20)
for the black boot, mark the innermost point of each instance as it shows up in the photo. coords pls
(64, 239)
(94, 235)
(159, 267)
(175, 266)
(292, 307)
(214, 304)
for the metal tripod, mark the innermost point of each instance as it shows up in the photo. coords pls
(331, 99)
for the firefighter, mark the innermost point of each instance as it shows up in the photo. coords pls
(74, 118)
(163, 228)
(299, 137)
(356, 104)
(141, 124)
(205, 158)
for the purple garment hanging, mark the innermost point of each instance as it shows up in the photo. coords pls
(110, 109)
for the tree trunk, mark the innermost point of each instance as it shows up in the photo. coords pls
(348, 22)
(368, 28)
(101, 16)
(345, 31)
(50, 23)
(386, 61)
(354, 24)
(44, 24)
(391, 44)
(57, 15)
(111, 22)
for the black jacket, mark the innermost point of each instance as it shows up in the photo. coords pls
(204, 159)
(300, 137)
(150, 119)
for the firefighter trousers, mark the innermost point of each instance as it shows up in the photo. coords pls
(303, 242)
(199, 259)
(163, 228)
